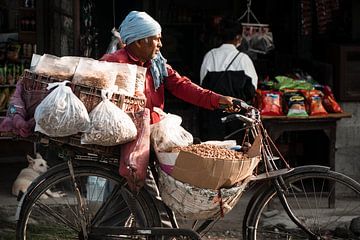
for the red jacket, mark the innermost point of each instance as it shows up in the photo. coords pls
(179, 86)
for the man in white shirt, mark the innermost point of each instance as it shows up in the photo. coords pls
(227, 71)
(217, 59)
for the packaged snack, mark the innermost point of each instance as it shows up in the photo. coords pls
(295, 103)
(314, 99)
(329, 101)
(289, 83)
(271, 103)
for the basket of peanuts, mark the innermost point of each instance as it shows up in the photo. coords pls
(207, 180)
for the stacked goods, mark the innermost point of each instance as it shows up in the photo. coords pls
(295, 98)
(94, 73)
(121, 78)
(63, 109)
(62, 68)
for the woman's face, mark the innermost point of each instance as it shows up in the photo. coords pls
(150, 47)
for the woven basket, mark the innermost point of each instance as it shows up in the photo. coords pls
(195, 203)
(35, 84)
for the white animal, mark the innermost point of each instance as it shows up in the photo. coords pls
(37, 166)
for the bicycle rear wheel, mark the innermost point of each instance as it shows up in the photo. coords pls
(324, 201)
(105, 203)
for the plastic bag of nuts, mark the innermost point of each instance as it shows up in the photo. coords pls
(109, 125)
(61, 113)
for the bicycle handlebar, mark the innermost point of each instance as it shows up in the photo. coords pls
(251, 116)
(236, 116)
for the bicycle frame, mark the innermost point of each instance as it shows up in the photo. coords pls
(272, 172)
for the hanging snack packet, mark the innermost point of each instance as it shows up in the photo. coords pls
(61, 113)
(295, 104)
(110, 125)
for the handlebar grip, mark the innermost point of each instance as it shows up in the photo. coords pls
(241, 104)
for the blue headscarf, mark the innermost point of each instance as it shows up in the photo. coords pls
(139, 25)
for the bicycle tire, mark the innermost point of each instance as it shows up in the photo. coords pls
(58, 218)
(310, 193)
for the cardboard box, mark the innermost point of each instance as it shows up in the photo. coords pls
(215, 173)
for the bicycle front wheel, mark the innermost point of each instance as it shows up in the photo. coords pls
(54, 208)
(325, 202)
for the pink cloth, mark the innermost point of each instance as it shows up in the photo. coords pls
(16, 119)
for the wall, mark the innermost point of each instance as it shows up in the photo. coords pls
(347, 155)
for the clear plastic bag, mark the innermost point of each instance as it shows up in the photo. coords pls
(140, 80)
(169, 133)
(61, 113)
(57, 67)
(258, 38)
(125, 78)
(110, 125)
(94, 73)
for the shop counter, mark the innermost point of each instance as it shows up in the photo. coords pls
(277, 125)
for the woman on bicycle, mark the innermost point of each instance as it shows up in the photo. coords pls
(141, 35)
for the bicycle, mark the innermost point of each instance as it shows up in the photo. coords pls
(312, 202)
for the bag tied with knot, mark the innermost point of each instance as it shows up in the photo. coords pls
(61, 113)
